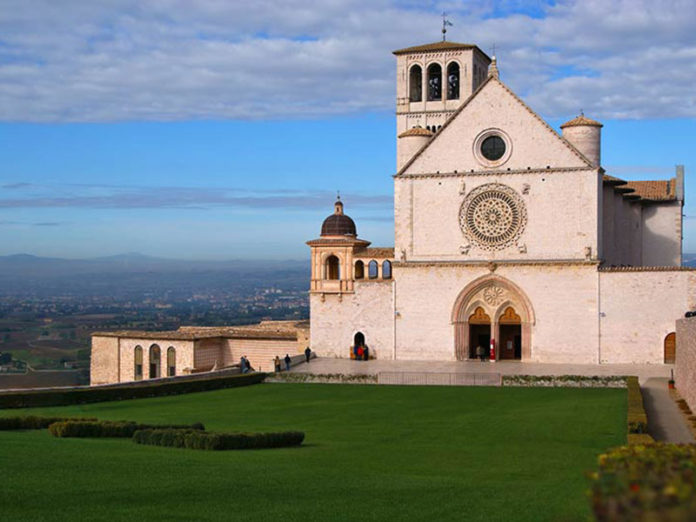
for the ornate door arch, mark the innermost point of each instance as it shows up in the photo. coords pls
(494, 294)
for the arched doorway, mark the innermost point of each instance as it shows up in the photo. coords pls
(494, 295)
(479, 332)
(510, 345)
(359, 339)
(670, 348)
(155, 356)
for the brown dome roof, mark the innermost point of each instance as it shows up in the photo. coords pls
(581, 120)
(338, 224)
(416, 131)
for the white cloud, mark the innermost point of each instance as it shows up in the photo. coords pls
(108, 60)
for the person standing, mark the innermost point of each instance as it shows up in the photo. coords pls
(307, 353)
(479, 352)
(287, 362)
(243, 364)
(276, 362)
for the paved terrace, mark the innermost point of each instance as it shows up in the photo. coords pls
(349, 367)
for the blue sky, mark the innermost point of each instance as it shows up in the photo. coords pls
(223, 130)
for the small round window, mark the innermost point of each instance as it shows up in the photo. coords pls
(493, 148)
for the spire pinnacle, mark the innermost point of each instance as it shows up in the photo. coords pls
(493, 69)
(445, 23)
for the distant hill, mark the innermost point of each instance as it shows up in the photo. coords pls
(137, 274)
(689, 260)
(25, 265)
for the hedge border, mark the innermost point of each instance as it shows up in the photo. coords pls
(57, 397)
(565, 381)
(106, 429)
(189, 439)
(33, 422)
(636, 418)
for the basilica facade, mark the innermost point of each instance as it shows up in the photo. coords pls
(509, 236)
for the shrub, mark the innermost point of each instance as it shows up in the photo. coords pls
(190, 439)
(645, 482)
(30, 399)
(567, 381)
(637, 419)
(110, 428)
(32, 422)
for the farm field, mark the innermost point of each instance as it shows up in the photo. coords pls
(370, 453)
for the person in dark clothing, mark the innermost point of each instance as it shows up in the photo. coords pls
(307, 353)
(287, 362)
(243, 364)
(366, 354)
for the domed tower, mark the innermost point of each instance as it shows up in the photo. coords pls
(332, 254)
(585, 135)
(410, 142)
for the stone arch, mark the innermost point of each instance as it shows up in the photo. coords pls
(494, 294)
(415, 83)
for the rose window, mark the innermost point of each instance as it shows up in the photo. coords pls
(493, 216)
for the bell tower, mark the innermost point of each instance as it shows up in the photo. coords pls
(433, 80)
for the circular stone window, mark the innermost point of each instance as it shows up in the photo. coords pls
(493, 216)
(492, 148)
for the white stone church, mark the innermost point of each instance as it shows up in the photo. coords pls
(508, 236)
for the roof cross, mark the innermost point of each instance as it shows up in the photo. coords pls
(445, 23)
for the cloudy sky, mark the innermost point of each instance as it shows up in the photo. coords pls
(222, 128)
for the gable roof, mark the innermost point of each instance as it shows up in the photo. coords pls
(439, 46)
(655, 190)
(468, 101)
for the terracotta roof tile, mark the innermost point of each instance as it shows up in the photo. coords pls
(438, 46)
(581, 120)
(416, 131)
(654, 190)
(378, 252)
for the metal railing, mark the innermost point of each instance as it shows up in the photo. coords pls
(439, 378)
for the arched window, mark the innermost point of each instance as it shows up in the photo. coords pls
(359, 270)
(453, 81)
(372, 269)
(155, 357)
(171, 361)
(332, 268)
(138, 363)
(359, 339)
(415, 83)
(434, 82)
(386, 270)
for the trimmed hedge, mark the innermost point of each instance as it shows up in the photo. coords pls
(190, 439)
(566, 381)
(32, 422)
(637, 419)
(648, 482)
(31, 399)
(110, 428)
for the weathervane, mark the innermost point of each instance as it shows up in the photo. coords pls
(445, 23)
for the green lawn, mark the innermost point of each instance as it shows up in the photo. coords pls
(371, 453)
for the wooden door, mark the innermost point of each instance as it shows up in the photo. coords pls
(670, 348)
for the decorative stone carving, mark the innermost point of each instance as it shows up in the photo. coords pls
(462, 189)
(525, 189)
(493, 295)
(493, 216)
(464, 249)
(522, 249)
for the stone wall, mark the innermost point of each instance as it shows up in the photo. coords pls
(662, 234)
(639, 308)
(685, 364)
(104, 360)
(260, 352)
(563, 304)
(336, 319)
